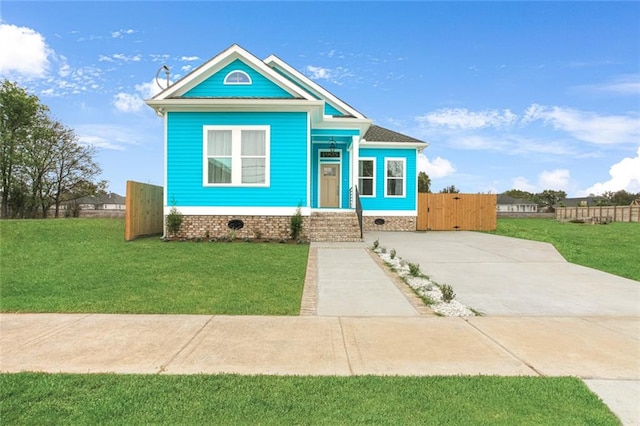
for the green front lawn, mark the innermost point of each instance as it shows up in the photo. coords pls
(31, 398)
(613, 248)
(84, 265)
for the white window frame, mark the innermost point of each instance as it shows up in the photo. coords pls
(373, 159)
(404, 177)
(226, 78)
(236, 156)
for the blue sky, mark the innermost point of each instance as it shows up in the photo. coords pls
(527, 95)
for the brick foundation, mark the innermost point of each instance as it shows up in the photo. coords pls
(391, 223)
(264, 227)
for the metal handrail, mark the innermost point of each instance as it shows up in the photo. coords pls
(359, 210)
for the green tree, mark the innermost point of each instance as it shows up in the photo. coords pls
(517, 193)
(41, 161)
(17, 114)
(620, 198)
(549, 197)
(424, 182)
(450, 190)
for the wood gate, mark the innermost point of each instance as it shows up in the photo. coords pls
(456, 212)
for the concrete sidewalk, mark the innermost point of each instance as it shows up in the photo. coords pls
(604, 348)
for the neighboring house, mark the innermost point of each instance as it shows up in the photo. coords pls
(108, 201)
(248, 141)
(590, 201)
(507, 204)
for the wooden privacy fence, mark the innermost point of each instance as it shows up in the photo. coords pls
(144, 215)
(461, 212)
(600, 213)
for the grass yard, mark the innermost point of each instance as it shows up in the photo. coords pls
(613, 248)
(84, 265)
(32, 398)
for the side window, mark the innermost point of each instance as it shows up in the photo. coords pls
(395, 174)
(366, 177)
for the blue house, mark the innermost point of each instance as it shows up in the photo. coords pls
(249, 141)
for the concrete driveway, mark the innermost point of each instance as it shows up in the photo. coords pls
(508, 276)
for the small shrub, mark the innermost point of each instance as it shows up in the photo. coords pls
(447, 293)
(393, 253)
(376, 244)
(414, 269)
(174, 219)
(296, 224)
(383, 250)
(257, 234)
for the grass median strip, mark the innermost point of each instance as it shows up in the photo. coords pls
(32, 398)
(84, 265)
(611, 248)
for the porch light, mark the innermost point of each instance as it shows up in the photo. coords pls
(332, 145)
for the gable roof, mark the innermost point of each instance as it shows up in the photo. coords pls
(311, 86)
(219, 61)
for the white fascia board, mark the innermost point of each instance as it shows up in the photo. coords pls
(236, 104)
(404, 213)
(343, 123)
(273, 60)
(221, 60)
(238, 211)
(407, 145)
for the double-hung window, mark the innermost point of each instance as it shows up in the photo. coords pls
(395, 177)
(236, 155)
(367, 177)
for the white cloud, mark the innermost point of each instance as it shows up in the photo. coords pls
(186, 68)
(437, 168)
(107, 136)
(134, 102)
(624, 175)
(24, 51)
(122, 33)
(587, 126)
(558, 179)
(523, 184)
(462, 118)
(126, 102)
(625, 85)
(334, 75)
(190, 58)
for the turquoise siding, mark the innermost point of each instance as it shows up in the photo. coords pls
(331, 110)
(335, 132)
(214, 86)
(344, 171)
(380, 202)
(288, 168)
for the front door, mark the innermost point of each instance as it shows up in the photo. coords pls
(330, 185)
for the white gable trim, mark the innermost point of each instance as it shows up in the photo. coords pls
(234, 52)
(274, 61)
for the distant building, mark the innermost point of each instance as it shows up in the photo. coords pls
(507, 204)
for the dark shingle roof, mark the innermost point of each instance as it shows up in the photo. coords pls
(505, 199)
(380, 134)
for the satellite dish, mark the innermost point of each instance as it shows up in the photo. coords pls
(167, 72)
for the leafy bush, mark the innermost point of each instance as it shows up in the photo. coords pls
(393, 253)
(447, 293)
(414, 269)
(174, 219)
(296, 224)
(376, 244)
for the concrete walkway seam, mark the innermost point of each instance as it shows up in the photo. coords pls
(164, 366)
(504, 348)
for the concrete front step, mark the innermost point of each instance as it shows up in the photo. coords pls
(334, 226)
